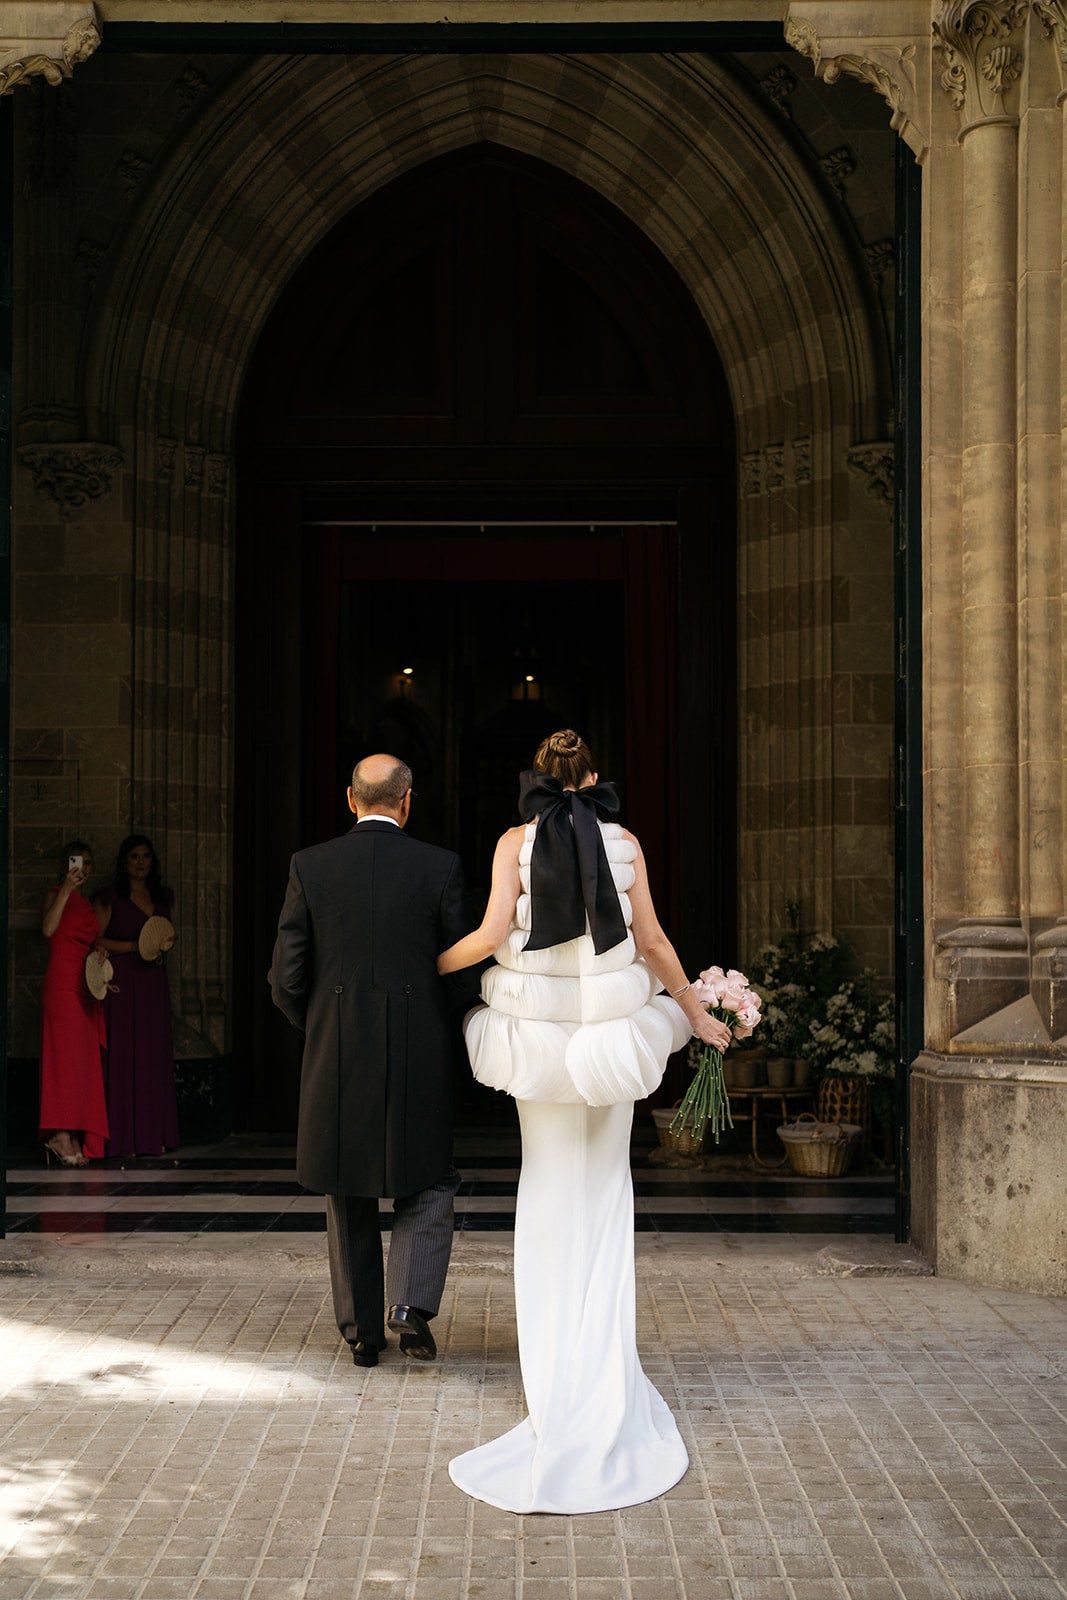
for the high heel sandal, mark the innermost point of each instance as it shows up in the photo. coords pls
(65, 1158)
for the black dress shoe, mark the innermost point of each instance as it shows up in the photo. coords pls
(364, 1354)
(415, 1336)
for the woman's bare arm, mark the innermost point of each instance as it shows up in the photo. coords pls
(56, 899)
(656, 949)
(503, 896)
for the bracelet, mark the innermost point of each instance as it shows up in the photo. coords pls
(674, 993)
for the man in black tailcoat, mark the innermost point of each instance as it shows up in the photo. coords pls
(355, 969)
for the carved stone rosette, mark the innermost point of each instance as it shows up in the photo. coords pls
(981, 44)
(776, 466)
(876, 463)
(71, 475)
(51, 57)
(778, 85)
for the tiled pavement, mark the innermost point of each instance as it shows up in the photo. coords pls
(165, 1433)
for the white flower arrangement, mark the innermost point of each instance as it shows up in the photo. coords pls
(845, 1026)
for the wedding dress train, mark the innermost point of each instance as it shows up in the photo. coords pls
(576, 1037)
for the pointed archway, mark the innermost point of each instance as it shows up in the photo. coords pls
(485, 429)
(687, 150)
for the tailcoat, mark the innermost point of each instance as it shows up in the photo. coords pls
(355, 969)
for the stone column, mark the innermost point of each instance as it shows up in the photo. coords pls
(983, 961)
(989, 1093)
(1049, 250)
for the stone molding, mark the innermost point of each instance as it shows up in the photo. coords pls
(776, 466)
(988, 1069)
(896, 64)
(1052, 15)
(49, 423)
(203, 471)
(72, 476)
(46, 39)
(982, 45)
(876, 463)
(984, 964)
(1049, 980)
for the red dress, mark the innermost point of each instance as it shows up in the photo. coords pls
(72, 1033)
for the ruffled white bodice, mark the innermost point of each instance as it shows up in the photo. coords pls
(565, 1024)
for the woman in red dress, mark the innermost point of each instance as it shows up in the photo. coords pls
(73, 1120)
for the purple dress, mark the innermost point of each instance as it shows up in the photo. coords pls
(139, 1066)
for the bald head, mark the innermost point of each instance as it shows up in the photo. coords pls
(380, 784)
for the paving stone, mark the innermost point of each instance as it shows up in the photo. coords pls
(860, 1438)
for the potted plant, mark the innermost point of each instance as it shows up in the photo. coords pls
(852, 1048)
(796, 978)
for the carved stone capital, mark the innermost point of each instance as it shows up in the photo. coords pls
(71, 475)
(876, 463)
(896, 62)
(982, 44)
(46, 39)
(1052, 15)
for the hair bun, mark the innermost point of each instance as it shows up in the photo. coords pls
(565, 742)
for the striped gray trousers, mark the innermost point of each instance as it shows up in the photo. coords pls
(420, 1245)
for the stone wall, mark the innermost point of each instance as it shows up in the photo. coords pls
(194, 187)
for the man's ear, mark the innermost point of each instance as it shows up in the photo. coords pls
(351, 802)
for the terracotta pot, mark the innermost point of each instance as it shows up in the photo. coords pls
(801, 1072)
(747, 1074)
(780, 1072)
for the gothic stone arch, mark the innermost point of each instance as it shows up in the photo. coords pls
(697, 160)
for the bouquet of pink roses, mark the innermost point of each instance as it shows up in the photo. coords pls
(705, 1104)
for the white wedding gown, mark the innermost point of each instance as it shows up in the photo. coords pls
(576, 1038)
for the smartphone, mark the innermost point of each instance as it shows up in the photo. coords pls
(74, 863)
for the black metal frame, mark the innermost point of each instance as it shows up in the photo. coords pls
(438, 38)
(910, 927)
(7, 123)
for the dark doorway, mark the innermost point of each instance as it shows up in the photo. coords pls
(463, 679)
(484, 429)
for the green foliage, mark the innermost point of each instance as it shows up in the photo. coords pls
(795, 978)
(845, 1026)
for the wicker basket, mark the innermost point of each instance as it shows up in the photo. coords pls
(679, 1144)
(844, 1100)
(819, 1149)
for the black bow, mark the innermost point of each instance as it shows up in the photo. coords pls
(570, 878)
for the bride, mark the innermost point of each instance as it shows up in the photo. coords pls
(576, 1028)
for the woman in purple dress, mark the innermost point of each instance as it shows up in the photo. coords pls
(139, 1076)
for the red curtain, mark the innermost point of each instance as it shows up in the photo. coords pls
(651, 621)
